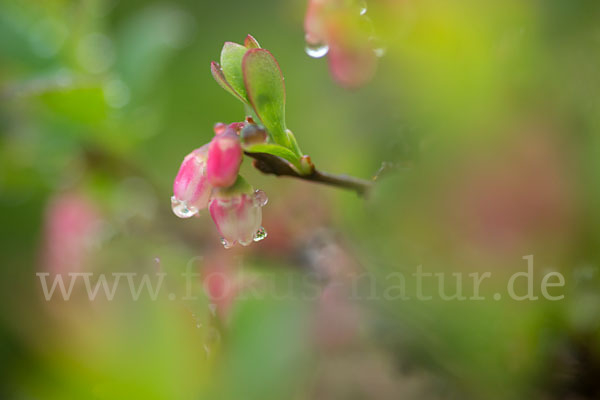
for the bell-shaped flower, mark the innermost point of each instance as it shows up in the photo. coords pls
(224, 159)
(191, 189)
(237, 213)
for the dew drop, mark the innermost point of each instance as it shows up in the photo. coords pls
(363, 7)
(226, 243)
(181, 209)
(316, 50)
(260, 234)
(260, 198)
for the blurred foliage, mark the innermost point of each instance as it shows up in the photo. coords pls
(490, 110)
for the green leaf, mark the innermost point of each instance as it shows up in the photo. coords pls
(231, 64)
(217, 73)
(293, 142)
(266, 92)
(275, 150)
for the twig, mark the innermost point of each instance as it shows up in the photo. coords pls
(270, 164)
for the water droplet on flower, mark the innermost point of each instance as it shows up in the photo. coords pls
(226, 243)
(260, 198)
(181, 209)
(260, 234)
(316, 50)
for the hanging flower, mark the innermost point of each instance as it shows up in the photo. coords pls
(224, 158)
(191, 189)
(237, 213)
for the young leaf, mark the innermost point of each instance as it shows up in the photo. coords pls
(275, 150)
(266, 92)
(231, 63)
(251, 43)
(217, 73)
(293, 143)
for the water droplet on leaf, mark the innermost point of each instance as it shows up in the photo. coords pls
(317, 50)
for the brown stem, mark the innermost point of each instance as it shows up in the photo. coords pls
(270, 164)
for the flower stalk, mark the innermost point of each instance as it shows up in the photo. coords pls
(270, 164)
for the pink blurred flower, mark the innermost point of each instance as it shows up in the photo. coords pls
(191, 189)
(351, 62)
(224, 159)
(71, 224)
(337, 320)
(511, 207)
(238, 215)
(340, 29)
(220, 284)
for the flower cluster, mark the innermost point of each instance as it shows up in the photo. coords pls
(208, 178)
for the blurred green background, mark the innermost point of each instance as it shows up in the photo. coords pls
(489, 110)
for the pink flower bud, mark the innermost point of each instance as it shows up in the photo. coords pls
(224, 159)
(238, 216)
(220, 128)
(191, 189)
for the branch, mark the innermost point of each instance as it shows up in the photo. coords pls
(270, 164)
